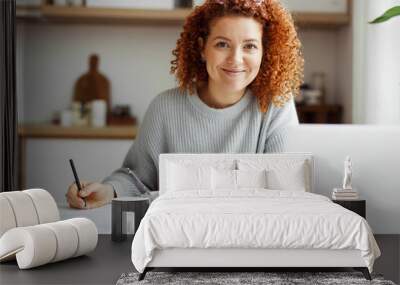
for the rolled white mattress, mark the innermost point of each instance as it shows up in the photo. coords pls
(40, 244)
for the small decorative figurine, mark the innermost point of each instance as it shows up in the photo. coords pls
(347, 173)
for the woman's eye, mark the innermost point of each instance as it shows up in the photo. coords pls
(221, 44)
(250, 46)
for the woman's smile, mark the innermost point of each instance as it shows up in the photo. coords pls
(233, 72)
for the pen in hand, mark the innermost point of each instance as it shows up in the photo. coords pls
(77, 182)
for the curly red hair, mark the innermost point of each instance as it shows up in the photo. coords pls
(281, 70)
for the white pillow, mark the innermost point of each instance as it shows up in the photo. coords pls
(251, 178)
(223, 179)
(237, 179)
(292, 179)
(185, 177)
(282, 174)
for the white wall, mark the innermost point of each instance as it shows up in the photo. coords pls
(136, 59)
(382, 70)
(375, 153)
(376, 57)
(47, 162)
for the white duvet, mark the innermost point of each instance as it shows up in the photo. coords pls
(251, 218)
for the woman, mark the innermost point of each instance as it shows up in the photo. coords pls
(238, 65)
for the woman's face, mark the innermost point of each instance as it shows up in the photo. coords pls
(233, 52)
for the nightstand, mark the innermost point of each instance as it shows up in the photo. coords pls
(357, 206)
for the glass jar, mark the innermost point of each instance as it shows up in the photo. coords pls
(319, 83)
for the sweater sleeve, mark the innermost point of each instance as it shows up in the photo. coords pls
(139, 172)
(280, 119)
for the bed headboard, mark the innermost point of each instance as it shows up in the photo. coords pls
(218, 158)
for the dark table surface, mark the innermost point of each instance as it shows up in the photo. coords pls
(110, 259)
(104, 265)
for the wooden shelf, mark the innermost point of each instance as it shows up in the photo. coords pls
(326, 20)
(52, 13)
(58, 132)
(27, 12)
(100, 15)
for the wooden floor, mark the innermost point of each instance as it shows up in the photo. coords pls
(389, 262)
(110, 260)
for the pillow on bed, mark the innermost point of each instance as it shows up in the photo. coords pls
(186, 177)
(288, 179)
(281, 174)
(223, 179)
(251, 178)
(193, 173)
(237, 179)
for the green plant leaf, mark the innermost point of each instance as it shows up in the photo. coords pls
(392, 12)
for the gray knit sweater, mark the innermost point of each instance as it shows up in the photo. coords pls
(177, 122)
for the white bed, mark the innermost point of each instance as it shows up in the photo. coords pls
(198, 223)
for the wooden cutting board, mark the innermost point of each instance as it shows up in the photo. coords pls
(92, 85)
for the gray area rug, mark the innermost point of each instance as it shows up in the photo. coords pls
(269, 278)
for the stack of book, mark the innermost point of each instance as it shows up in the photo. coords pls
(344, 194)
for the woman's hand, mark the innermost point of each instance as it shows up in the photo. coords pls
(95, 194)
